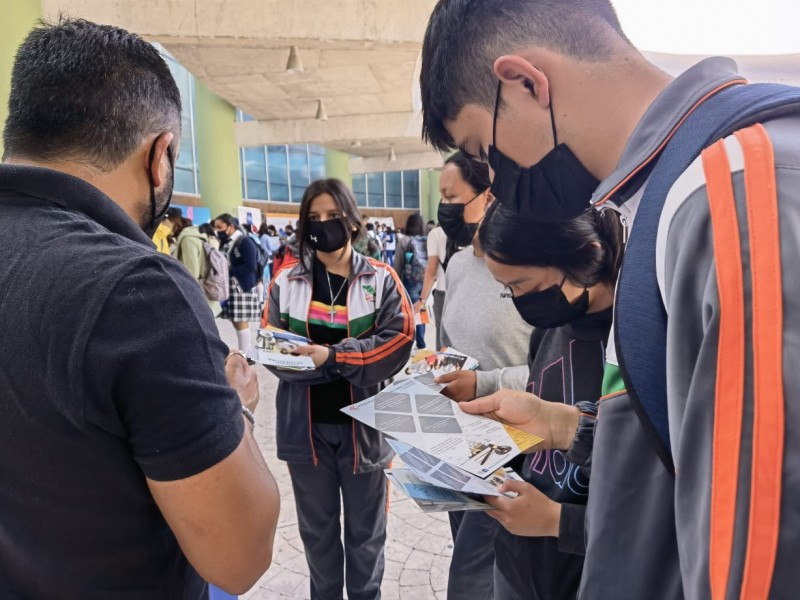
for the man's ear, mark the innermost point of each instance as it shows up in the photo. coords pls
(521, 77)
(160, 164)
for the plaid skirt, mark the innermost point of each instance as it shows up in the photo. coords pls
(241, 306)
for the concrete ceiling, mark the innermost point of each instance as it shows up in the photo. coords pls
(360, 57)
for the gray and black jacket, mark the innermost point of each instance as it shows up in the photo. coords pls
(725, 523)
(378, 345)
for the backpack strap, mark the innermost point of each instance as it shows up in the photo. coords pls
(640, 317)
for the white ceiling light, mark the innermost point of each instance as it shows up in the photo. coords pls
(294, 64)
(322, 114)
(392, 155)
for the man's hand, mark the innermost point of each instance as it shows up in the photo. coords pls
(461, 385)
(243, 379)
(556, 423)
(418, 306)
(319, 354)
(530, 514)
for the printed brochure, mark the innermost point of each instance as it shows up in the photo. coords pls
(431, 498)
(411, 412)
(427, 365)
(274, 348)
(435, 472)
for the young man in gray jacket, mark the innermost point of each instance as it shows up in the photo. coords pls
(709, 513)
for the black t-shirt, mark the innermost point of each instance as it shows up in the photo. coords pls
(327, 329)
(111, 372)
(566, 365)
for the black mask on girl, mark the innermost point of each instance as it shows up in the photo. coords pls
(327, 236)
(451, 218)
(550, 308)
(557, 188)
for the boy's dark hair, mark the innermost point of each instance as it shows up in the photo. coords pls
(415, 225)
(465, 37)
(345, 201)
(474, 172)
(228, 219)
(88, 93)
(587, 249)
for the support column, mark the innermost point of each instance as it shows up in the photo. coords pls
(337, 165)
(18, 18)
(429, 203)
(217, 152)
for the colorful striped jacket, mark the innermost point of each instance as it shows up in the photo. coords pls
(380, 334)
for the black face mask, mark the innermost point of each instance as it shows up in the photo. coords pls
(550, 308)
(327, 236)
(557, 188)
(451, 218)
(223, 237)
(157, 215)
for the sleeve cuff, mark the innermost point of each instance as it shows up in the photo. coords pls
(571, 529)
(486, 384)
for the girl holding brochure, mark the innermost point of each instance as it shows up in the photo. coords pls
(360, 322)
(562, 277)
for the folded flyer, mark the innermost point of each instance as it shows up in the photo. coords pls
(435, 472)
(274, 348)
(411, 412)
(427, 365)
(431, 498)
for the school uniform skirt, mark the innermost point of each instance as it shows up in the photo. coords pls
(241, 306)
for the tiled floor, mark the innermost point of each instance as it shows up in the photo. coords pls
(418, 547)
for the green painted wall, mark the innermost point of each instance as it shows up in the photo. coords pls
(17, 18)
(217, 152)
(337, 165)
(429, 202)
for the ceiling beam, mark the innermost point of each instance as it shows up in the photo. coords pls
(404, 162)
(336, 130)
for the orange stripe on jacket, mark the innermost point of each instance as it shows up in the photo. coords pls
(376, 354)
(768, 416)
(730, 366)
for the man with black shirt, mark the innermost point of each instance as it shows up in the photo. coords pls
(129, 467)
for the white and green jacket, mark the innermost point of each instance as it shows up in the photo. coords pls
(380, 334)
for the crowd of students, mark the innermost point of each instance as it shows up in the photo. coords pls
(622, 274)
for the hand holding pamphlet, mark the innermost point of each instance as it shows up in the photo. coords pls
(274, 348)
(411, 412)
(427, 365)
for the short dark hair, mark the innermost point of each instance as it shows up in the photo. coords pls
(208, 229)
(345, 201)
(511, 238)
(228, 219)
(89, 93)
(465, 37)
(415, 225)
(474, 172)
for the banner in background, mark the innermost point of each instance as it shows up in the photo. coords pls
(196, 214)
(250, 218)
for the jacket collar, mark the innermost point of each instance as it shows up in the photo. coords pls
(359, 265)
(71, 193)
(667, 112)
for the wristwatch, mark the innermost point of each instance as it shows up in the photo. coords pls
(580, 451)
